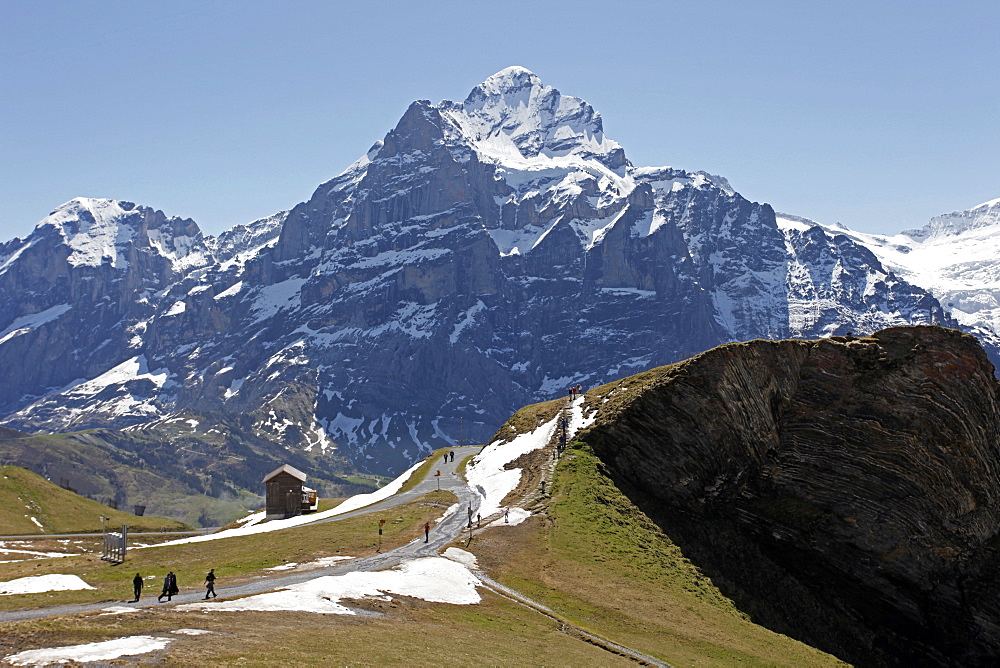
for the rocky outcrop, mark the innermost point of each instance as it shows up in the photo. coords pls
(845, 491)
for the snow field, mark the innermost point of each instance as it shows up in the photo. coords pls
(467, 559)
(29, 554)
(577, 421)
(118, 610)
(319, 563)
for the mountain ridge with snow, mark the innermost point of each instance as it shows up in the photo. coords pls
(483, 255)
(953, 255)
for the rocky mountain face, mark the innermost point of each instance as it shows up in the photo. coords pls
(954, 256)
(842, 491)
(484, 255)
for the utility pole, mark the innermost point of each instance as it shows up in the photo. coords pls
(461, 431)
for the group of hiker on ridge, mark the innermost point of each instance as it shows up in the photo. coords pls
(170, 588)
(448, 455)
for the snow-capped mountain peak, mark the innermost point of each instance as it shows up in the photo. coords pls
(507, 80)
(512, 115)
(954, 257)
(106, 231)
(97, 230)
(985, 215)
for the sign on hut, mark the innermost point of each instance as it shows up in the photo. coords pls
(286, 495)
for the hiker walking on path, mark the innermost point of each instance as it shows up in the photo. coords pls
(427, 532)
(452, 455)
(136, 587)
(169, 587)
(210, 584)
(506, 511)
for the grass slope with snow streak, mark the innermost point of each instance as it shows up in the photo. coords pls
(255, 526)
(599, 562)
(488, 474)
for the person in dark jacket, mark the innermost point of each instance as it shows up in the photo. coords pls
(136, 587)
(210, 584)
(169, 587)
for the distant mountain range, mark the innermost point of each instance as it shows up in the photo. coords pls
(957, 257)
(484, 255)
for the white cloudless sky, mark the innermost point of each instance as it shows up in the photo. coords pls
(878, 115)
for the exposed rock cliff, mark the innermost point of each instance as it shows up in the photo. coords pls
(844, 491)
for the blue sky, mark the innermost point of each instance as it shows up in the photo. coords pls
(877, 115)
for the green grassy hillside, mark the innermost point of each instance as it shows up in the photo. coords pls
(199, 469)
(598, 561)
(588, 554)
(25, 495)
(592, 556)
(402, 632)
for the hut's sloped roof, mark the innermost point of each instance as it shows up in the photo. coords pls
(285, 468)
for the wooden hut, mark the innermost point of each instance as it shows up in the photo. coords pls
(284, 492)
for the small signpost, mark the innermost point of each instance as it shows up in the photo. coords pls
(381, 523)
(438, 476)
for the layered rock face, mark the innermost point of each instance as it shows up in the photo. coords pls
(844, 491)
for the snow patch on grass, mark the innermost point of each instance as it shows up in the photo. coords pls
(515, 516)
(95, 651)
(467, 559)
(434, 579)
(487, 473)
(37, 584)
